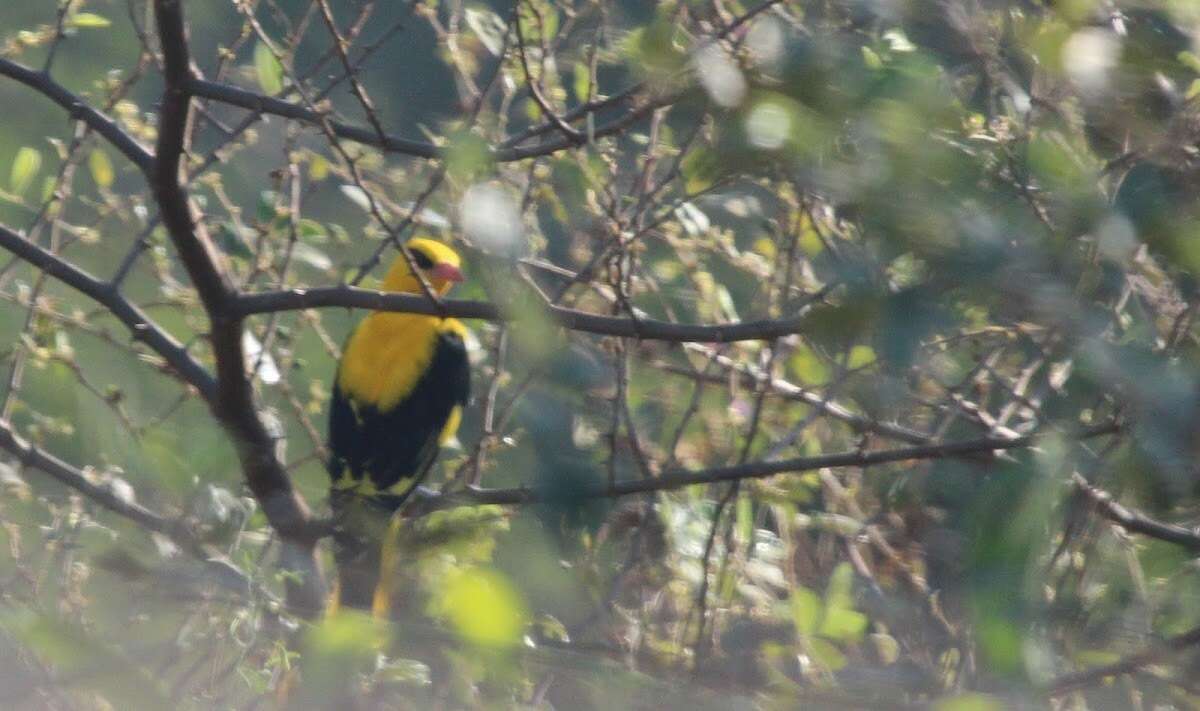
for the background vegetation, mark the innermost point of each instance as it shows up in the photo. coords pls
(826, 352)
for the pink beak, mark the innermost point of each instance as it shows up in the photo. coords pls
(446, 272)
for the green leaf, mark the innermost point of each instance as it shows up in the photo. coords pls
(467, 156)
(336, 650)
(318, 168)
(806, 610)
(969, 702)
(484, 608)
(843, 624)
(313, 231)
(24, 168)
(886, 648)
(860, 356)
(312, 256)
(871, 59)
(268, 69)
(101, 168)
(88, 20)
(264, 209)
(840, 589)
(826, 654)
(657, 46)
(745, 518)
(1000, 642)
(808, 367)
(232, 243)
(700, 169)
(48, 184)
(582, 80)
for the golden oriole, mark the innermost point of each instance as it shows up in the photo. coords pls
(399, 392)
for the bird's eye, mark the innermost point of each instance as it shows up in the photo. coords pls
(423, 261)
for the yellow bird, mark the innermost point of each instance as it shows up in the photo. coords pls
(398, 395)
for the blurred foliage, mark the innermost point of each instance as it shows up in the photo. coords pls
(986, 213)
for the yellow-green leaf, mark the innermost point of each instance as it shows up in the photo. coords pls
(268, 68)
(336, 650)
(969, 702)
(24, 168)
(826, 654)
(843, 624)
(841, 581)
(101, 168)
(485, 608)
(86, 20)
(582, 81)
(808, 367)
(806, 610)
(860, 356)
(871, 59)
(318, 168)
(886, 647)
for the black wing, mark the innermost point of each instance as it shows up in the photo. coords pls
(399, 445)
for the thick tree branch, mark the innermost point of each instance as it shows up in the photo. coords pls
(101, 124)
(139, 324)
(646, 329)
(235, 405)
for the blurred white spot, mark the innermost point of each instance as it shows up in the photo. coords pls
(1088, 56)
(122, 490)
(765, 41)
(356, 196)
(693, 219)
(1060, 372)
(490, 219)
(768, 126)
(1116, 239)
(165, 546)
(428, 217)
(898, 41)
(719, 75)
(583, 434)
(312, 256)
(743, 205)
(268, 372)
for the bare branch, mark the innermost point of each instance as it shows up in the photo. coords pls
(31, 456)
(78, 109)
(176, 530)
(260, 103)
(138, 322)
(1075, 681)
(679, 479)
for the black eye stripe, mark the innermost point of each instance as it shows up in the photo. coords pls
(423, 261)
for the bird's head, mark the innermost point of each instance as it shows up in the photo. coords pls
(437, 262)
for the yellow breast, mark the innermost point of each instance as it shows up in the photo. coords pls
(387, 354)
